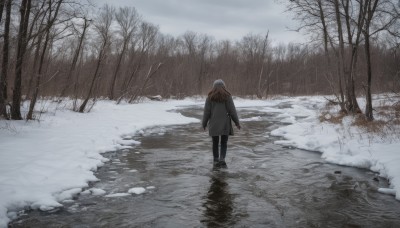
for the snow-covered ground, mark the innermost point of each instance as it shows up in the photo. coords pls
(43, 163)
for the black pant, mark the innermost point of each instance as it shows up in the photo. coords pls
(224, 146)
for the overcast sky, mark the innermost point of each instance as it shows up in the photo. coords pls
(222, 19)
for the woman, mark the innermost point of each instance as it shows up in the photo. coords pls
(218, 112)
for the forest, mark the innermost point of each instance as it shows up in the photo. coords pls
(74, 49)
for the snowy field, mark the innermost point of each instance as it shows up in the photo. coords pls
(46, 162)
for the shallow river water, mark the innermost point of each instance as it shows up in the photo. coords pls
(265, 185)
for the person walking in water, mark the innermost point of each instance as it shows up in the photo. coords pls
(219, 109)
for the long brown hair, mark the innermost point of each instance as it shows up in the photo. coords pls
(219, 94)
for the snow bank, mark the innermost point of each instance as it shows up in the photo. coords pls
(342, 143)
(43, 163)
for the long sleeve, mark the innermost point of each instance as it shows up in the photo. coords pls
(207, 113)
(232, 111)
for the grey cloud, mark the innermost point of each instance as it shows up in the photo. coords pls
(223, 19)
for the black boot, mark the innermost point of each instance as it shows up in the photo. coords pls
(216, 163)
(222, 164)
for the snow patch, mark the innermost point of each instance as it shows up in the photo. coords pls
(68, 194)
(117, 195)
(255, 118)
(137, 190)
(388, 191)
(97, 191)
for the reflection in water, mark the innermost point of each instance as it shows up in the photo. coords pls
(218, 202)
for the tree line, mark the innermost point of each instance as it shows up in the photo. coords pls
(61, 49)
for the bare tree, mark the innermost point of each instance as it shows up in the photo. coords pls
(349, 13)
(341, 53)
(2, 3)
(146, 40)
(102, 26)
(22, 43)
(35, 37)
(371, 7)
(266, 59)
(147, 37)
(388, 14)
(254, 54)
(78, 50)
(204, 47)
(53, 10)
(149, 75)
(4, 64)
(127, 19)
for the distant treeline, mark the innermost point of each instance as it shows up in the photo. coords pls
(71, 48)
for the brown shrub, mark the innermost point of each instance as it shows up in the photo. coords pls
(375, 126)
(331, 118)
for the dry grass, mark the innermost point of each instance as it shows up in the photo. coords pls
(376, 126)
(331, 118)
(386, 125)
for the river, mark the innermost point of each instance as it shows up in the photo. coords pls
(265, 185)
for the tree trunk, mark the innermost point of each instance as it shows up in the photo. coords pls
(340, 56)
(39, 36)
(75, 59)
(324, 29)
(259, 89)
(114, 78)
(2, 3)
(353, 106)
(51, 18)
(99, 61)
(4, 64)
(127, 84)
(341, 65)
(6, 47)
(370, 13)
(148, 77)
(22, 43)
(368, 107)
(348, 68)
(36, 59)
(38, 78)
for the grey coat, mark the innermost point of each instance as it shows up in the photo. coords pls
(216, 116)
